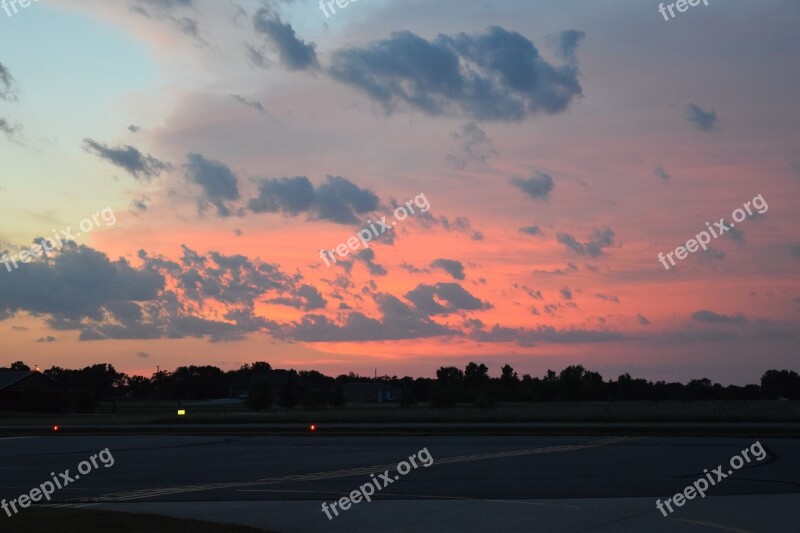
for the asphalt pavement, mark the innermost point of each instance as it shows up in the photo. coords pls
(479, 483)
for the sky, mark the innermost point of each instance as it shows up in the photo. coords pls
(519, 173)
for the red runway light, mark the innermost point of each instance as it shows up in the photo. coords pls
(55, 428)
(313, 427)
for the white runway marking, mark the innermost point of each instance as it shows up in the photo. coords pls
(167, 491)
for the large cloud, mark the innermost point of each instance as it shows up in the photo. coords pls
(497, 75)
(77, 283)
(398, 321)
(230, 279)
(203, 295)
(337, 199)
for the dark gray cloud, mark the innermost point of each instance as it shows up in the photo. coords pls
(566, 293)
(566, 44)
(295, 53)
(250, 103)
(12, 131)
(337, 199)
(660, 172)
(368, 258)
(593, 247)
(703, 120)
(642, 319)
(474, 146)
(397, 321)
(165, 10)
(532, 230)
(306, 298)
(412, 269)
(571, 267)
(218, 182)
(536, 295)
(735, 234)
(608, 297)
(443, 299)
(143, 355)
(128, 158)
(48, 338)
(234, 280)
(452, 267)
(542, 334)
(458, 224)
(140, 205)
(8, 87)
(537, 187)
(795, 249)
(714, 318)
(77, 283)
(80, 289)
(497, 75)
(290, 196)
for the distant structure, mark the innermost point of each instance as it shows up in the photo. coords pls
(26, 390)
(371, 393)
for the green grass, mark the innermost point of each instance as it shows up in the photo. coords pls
(66, 520)
(154, 412)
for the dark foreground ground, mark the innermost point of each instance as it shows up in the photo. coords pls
(68, 520)
(480, 483)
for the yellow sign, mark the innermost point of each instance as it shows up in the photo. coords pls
(181, 412)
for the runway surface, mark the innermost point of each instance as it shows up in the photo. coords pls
(581, 483)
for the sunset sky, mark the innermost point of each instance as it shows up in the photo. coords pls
(560, 147)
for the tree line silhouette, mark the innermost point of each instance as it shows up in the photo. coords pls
(261, 386)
